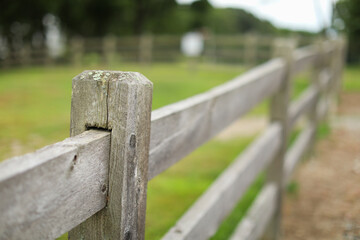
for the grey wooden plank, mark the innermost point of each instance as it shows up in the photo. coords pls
(120, 102)
(325, 78)
(322, 109)
(179, 128)
(297, 150)
(304, 58)
(253, 225)
(46, 193)
(203, 218)
(302, 105)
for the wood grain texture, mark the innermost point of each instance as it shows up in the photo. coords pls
(46, 193)
(302, 105)
(120, 102)
(254, 223)
(178, 129)
(297, 150)
(203, 218)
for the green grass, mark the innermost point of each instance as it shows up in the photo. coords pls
(35, 102)
(351, 77)
(170, 194)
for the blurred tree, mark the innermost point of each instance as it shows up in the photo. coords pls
(346, 18)
(200, 10)
(119, 17)
(232, 20)
(86, 17)
(23, 19)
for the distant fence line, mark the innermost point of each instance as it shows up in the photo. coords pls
(247, 49)
(94, 183)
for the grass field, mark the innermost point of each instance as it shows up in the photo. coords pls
(35, 102)
(35, 110)
(351, 79)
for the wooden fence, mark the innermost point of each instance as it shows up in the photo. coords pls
(248, 49)
(94, 183)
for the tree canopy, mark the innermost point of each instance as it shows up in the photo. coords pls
(22, 19)
(346, 18)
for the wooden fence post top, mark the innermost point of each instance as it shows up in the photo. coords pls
(120, 102)
(92, 87)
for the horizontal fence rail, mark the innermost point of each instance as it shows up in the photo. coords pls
(173, 126)
(304, 58)
(49, 192)
(93, 184)
(302, 105)
(255, 222)
(203, 218)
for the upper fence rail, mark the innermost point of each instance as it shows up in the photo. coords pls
(173, 127)
(54, 189)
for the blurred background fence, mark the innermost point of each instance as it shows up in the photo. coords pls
(247, 49)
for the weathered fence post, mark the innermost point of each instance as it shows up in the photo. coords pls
(279, 113)
(316, 74)
(121, 103)
(337, 64)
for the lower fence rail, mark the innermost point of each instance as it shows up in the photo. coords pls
(259, 215)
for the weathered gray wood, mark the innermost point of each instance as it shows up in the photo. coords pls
(339, 63)
(279, 114)
(46, 193)
(322, 109)
(302, 105)
(120, 102)
(318, 80)
(178, 129)
(203, 218)
(297, 150)
(325, 79)
(304, 58)
(256, 220)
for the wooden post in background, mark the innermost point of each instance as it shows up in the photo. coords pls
(25, 54)
(338, 64)
(119, 102)
(145, 48)
(76, 50)
(250, 49)
(210, 47)
(316, 74)
(109, 49)
(279, 113)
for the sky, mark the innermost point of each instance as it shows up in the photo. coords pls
(309, 15)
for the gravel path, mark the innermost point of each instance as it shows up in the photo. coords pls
(326, 204)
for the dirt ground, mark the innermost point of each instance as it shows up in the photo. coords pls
(326, 203)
